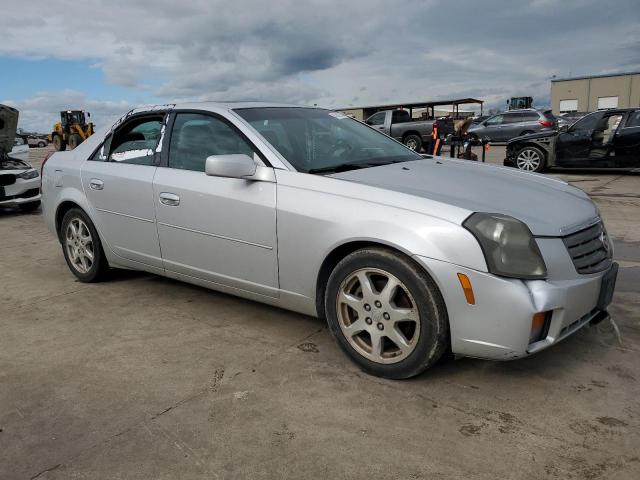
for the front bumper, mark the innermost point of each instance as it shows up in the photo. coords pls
(499, 325)
(20, 192)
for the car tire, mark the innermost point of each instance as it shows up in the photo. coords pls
(397, 335)
(414, 142)
(82, 250)
(42, 144)
(30, 207)
(74, 140)
(59, 144)
(530, 159)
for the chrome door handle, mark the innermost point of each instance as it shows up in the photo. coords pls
(96, 184)
(169, 199)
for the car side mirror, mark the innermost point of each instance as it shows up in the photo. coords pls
(563, 128)
(231, 166)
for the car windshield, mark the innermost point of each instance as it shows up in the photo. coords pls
(315, 141)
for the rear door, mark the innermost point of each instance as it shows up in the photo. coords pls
(627, 142)
(511, 127)
(118, 182)
(602, 151)
(222, 230)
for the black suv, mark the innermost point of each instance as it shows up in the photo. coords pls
(507, 125)
(604, 139)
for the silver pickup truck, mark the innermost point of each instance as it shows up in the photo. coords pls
(399, 125)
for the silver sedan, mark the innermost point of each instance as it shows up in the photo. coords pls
(407, 257)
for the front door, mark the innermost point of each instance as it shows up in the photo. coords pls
(573, 146)
(118, 181)
(222, 230)
(492, 128)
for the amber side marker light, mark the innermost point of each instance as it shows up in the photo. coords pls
(467, 289)
(539, 326)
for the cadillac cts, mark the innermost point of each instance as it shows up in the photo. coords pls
(303, 208)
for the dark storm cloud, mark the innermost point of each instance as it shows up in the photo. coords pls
(333, 52)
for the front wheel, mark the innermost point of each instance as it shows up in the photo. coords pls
(58, 143)
(386, 313)
(413, 142)
(530, 159)
(74, 140)
(82, 248)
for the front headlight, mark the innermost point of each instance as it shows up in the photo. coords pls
(28, 175)
(508, 246)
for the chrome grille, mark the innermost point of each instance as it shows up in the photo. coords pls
(589, 249)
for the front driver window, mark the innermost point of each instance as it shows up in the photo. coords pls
(586, 123)
(497, 120)
(377, 119)
(196, 136)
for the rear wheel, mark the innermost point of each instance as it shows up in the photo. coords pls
(530, 159)
(82, 248)
(74, 140)
(386, 314)
(42, 144)
(414, 142)
(58, 143)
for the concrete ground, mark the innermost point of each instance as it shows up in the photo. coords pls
(142, 377)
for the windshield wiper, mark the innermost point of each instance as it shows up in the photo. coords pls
(341, 167)
(344, 167)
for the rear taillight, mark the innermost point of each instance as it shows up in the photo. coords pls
(42, 166)
(546, 123)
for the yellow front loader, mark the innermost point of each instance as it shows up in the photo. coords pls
(71, 130)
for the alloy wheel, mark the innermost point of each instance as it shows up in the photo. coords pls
(412, 144)
(79, 245)
(528, 160)
(378, 316)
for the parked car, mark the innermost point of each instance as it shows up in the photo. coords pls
(19, 182)
(479, 119)
(514, 123)
(604, 139)
(307, 209)
(398, 124)
(20, 149)
(569, 118)
(39, 142)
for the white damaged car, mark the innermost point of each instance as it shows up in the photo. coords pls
(19, 181)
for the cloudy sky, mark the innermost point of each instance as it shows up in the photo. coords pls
(106, 57)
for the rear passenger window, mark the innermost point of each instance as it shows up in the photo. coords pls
(529, 117)
(136, 141)
(634, 119)
(196, 136)
(512, 118)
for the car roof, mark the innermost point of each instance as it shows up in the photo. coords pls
(208, 105)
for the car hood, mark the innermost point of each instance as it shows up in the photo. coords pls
(531, 136)
(8, 127)
(549, 207)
